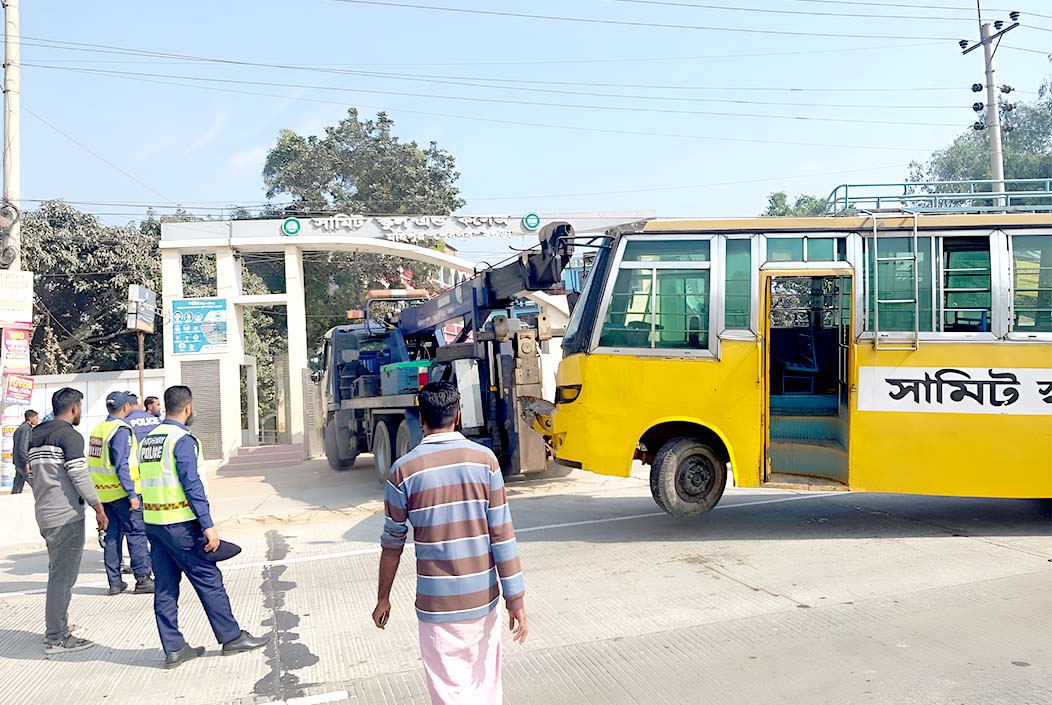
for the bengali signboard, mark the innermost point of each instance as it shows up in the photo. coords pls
(19, 390)
(948, 390)
(198, 326)
(15, 357)
(412, 228)
(16, 299)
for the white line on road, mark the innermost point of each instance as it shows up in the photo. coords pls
(525, 530)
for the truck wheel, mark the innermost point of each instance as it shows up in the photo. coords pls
(687, 477)
(332, 449)
(382, 449)
(403, 440)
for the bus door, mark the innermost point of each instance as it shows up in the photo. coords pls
(808, 354)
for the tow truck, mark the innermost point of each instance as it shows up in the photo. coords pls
(372, 370)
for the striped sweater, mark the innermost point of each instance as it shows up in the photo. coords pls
(451, 490)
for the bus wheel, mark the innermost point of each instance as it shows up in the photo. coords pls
(687, 477)
(382, 451)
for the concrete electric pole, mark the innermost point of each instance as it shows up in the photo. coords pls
(12, 109)
(987, 34)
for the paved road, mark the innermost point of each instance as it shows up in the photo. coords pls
(773, 598)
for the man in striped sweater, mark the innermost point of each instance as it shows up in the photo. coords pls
(451, 490)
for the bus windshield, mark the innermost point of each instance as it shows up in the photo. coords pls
(583, 315)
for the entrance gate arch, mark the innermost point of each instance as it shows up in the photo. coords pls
(218, 371)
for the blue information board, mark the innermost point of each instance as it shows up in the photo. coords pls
(198, 326)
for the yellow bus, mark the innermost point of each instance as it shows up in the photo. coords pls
(880, 351)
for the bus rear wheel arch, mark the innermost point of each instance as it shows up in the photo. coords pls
(688, 472)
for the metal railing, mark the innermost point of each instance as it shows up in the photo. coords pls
(1019, 196)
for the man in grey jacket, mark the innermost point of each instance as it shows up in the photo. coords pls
(61, 487)
(20, 450)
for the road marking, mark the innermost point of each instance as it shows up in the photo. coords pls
(526, 530)
(313, 699)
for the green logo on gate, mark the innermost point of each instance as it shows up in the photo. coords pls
(290, 226)
(531, 221)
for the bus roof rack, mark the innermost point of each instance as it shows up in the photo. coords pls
(1020, 196)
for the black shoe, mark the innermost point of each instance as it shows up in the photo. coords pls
(143, 586)
(118, 589)
(187, 653)
(245, 642)
(126, 569)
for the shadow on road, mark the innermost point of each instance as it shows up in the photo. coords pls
(20, 645)
(766, 516)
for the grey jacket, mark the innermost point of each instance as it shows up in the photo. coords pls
(59, 475)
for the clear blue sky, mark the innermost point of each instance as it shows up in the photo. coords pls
(206, 147)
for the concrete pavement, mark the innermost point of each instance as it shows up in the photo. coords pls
(775, 597)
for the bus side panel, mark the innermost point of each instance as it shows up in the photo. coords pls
(623, 396)
(965, 455)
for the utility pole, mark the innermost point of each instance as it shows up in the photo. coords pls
(12, 110)
(987, 34)
(993, 113)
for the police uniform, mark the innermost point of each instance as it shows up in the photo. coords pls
(113, 463)
(175, 507)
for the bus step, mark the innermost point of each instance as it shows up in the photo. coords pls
(825, 459)
(790, 481)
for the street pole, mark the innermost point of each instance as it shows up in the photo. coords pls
(993, 116)
(12, 109)
(142, 365)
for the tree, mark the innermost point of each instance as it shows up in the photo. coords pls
(778, 206)
(1027, 147)
(361, 167)
(358, 167)
(82, 271)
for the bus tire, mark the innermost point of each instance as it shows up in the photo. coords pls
(403, 440)
(687, 477)
(331, 440)
(382, 451)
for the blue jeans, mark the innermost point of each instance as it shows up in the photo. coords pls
(125, 523)
(176, 551)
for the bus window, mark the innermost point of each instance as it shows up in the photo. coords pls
(785, 249)
(738, 285)
(628, 321)
(674, 315)
(682, 309)
(1032, 283)
(667, 251)
(896, 284)
(966, 284)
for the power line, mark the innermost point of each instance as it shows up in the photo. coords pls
(541, 125)
(629, 23)
(467, 83)
(909, 5)
(770, 11)
(107, 49)
(1043, 52)
(93, 153)
(501, 101)
(594, 84)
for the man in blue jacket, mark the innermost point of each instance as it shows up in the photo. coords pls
(141, 420)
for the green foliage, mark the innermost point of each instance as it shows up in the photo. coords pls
(778, 205)
(1027, 148)
(361, 167)
(357, 167)
(83, 270)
